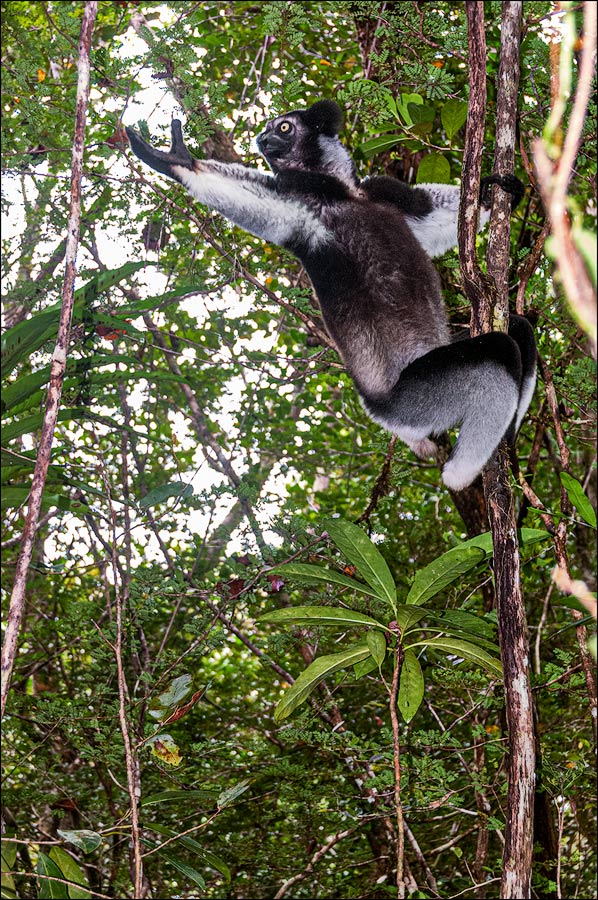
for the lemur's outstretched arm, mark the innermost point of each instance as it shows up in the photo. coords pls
(245, 196)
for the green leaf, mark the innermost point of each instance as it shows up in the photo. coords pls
(377, 644)
(434, 169)
(355, 545)
(465, 649)
(185, 797)
(411, 686)
(8, 890)
(319, 575)
(206, 856)
(319, 615)
(408, 616)
(422, 117)
(465, 621)
(71, 871)
(27, 336)
(453, 116)
(525, 535)
(182, 867)
(576, 495)
(172, 489)
(379, 144)
(49, 890)
(315, 674)
(364, 667)
(83, 839)
(406, 101)
(176, 691)
(443, 571)
(585, 241)
(230, 794)
(33, 423)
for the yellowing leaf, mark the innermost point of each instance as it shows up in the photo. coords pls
(166, 750)
(41, 75)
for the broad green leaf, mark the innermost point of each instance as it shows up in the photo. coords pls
(406, 101)
(379, 144)
(318, 575)
(33, 423)
(377, 644)
(434, 169)
(207, 856)
(411, 686)
(356, 546)
(176, 691)
(49, 889)
(422, 118)
(180, 795)
(71, 871)
(443, 571)
(569, 602)
(27, 336)
(364, 667)
(8, 890)
(525, 535)
(465, 621)
(453, 116)
(576, 495)
(319, 615)
(159, 494)
(230, 794)
(314, 674)
(182, 867)
(83, 839)
(585, 241)
(408, 616)
(465, 649)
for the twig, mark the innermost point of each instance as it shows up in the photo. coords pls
(313, 861)
(396, 742)
(554, 177)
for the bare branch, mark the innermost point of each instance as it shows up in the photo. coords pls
(59, 357)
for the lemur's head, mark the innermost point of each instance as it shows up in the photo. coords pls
(307, 139)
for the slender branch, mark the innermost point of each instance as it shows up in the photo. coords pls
(131, 755)
(396, 742)
(313, 861)
(554, 176)
(59, 357)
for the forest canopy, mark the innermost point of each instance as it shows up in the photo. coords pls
(258, 651)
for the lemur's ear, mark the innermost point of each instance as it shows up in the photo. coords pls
(325, 117)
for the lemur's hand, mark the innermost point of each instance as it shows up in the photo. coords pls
(509, 183)
(158, 159)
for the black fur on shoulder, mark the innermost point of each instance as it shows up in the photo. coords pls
(317, 184)
(411, 201)
(325, 117)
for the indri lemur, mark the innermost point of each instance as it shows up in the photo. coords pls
(366, 246)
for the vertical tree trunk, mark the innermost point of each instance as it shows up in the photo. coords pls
(489, 298)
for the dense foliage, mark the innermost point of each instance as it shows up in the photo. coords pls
(208, 434)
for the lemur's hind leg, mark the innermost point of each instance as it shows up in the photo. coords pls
(474, 383)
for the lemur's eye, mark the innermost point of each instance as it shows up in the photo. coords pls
(285, 127)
